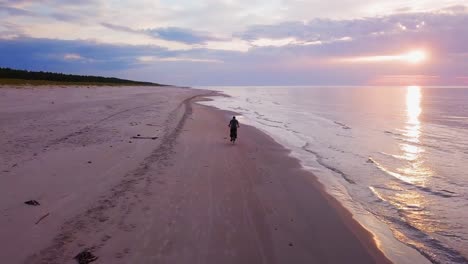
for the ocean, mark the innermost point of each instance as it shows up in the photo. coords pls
(396, 157)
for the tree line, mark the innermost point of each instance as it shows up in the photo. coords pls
(8, 73)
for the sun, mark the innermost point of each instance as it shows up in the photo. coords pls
(415, 56)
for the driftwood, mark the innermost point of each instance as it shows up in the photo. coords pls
(139, 137)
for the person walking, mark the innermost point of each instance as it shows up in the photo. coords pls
(233, 124)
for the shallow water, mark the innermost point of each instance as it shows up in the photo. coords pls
(399, 154)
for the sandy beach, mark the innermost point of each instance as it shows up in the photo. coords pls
(147, 175)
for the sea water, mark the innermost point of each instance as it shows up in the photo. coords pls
(396, 157)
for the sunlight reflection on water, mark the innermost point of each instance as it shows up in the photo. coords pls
(415, 171)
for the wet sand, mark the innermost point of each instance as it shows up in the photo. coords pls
(187, 196)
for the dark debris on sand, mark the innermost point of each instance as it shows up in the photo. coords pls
(85, 257)
(32, 202)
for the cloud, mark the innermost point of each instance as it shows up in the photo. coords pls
(152, 59)
(65, 55)
(13, 11)
(284, 52)
(183, 35)
(176, 34)
(72, 56)
(39, 11)
(121, 28)
(330, 30)
(10, 31)
(65, 17)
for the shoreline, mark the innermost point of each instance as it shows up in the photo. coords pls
(365, 236)
(189, 197)
(385, 236)
(309, 180)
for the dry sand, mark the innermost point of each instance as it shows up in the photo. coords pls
(188, 196)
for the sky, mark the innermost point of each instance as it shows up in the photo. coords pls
(243, 42)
